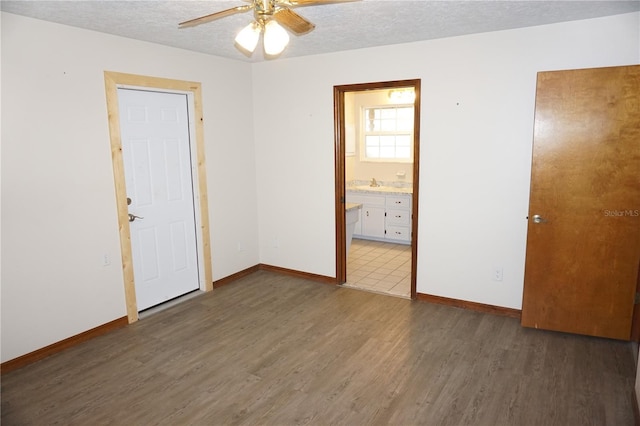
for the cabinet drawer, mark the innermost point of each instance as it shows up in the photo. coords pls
(398, 217)
(399, 202)
(398, 233)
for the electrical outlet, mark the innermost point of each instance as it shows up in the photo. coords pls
(240, 246)
(106, 260)
(497, 273)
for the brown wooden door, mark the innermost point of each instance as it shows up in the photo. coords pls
(582, 256)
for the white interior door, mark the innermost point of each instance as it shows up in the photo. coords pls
(154, 129)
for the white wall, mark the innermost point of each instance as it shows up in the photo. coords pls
(58, 201)
(0, 182)
(478, 95)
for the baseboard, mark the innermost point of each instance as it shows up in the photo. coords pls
(42, 353)
(54, 348)
(234, 277)
(472, 306)
(262, 267)
(291, 272)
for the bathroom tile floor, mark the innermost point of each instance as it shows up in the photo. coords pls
(379, 267)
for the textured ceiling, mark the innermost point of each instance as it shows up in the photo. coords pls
(339, 27)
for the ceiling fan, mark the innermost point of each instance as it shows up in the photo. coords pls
(269, 16)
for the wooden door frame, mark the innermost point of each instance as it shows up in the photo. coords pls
(113, 81)
(340, 191)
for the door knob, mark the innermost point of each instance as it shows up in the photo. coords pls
(133, 217)
(539, 219)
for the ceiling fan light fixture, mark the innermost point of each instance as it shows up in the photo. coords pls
(269, 15)
(276, 38)
(402, 96)
(249, 36)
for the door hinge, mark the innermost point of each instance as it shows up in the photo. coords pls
(637, 299)
(341, 200)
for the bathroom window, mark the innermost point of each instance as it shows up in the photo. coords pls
(387, 133)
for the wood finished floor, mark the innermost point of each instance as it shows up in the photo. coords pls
(275, 350)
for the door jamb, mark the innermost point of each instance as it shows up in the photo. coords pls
(340, 191)
(114, 80)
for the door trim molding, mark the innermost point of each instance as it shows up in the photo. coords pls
(114, 80)
(340, 192)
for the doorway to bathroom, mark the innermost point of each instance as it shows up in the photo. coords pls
(377, 133)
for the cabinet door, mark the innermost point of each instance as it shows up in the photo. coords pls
(373, 221)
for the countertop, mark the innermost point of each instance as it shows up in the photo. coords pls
(380, 189)
(352, 206)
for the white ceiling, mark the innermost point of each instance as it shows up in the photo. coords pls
(345, 26)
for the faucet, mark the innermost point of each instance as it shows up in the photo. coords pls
(373, 182)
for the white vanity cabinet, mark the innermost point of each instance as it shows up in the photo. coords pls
(383, 217)
(371, 222)
(398, 217)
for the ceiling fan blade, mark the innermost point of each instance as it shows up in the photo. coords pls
(214, 16)
(293, 21)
